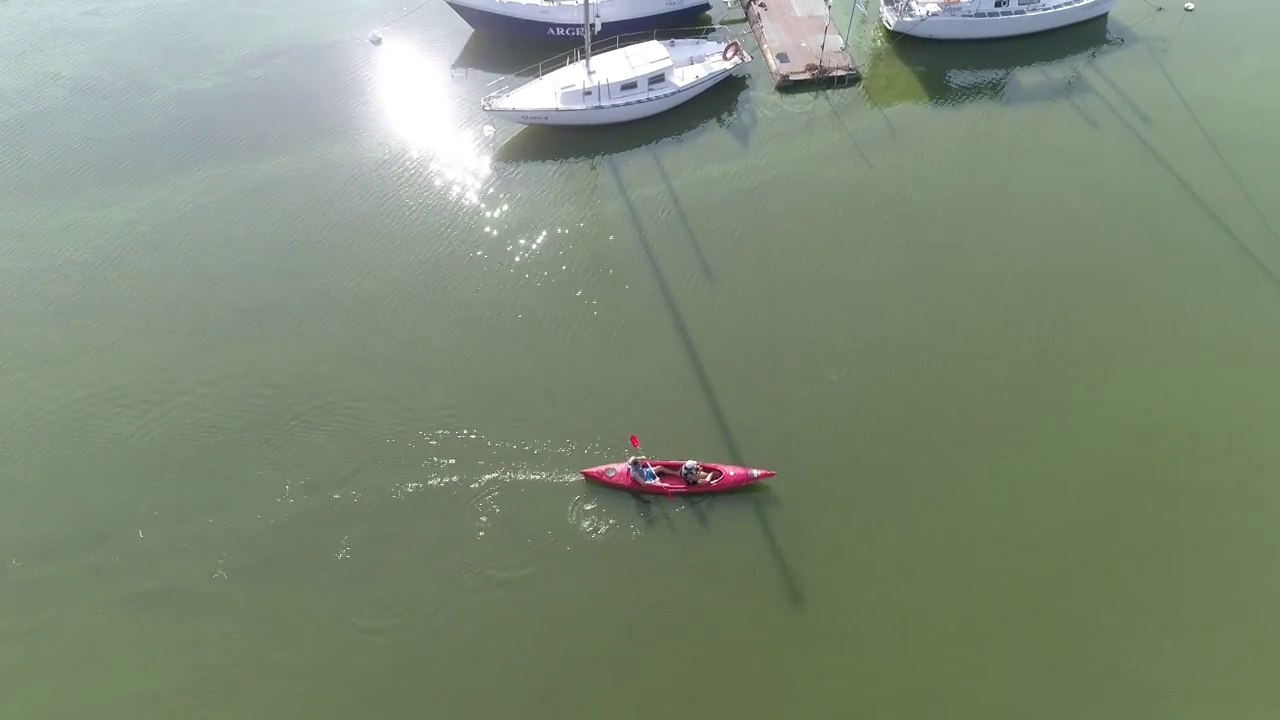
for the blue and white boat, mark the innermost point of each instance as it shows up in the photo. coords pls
(562, 19)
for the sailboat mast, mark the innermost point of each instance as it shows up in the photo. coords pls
(586, 30)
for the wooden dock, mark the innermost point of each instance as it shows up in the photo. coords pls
(799, 43)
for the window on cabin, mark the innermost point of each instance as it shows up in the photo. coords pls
(586, 93)
(1028, 2)
(628, 86)
(660, 78)
(1002, 3)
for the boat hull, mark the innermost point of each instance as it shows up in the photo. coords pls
(610, 114)
(729, 478)
(553, 23)
(956, 27)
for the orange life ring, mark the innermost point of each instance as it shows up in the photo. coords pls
(732, 50)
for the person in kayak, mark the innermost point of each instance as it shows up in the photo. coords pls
(642, 472)
(693, 474)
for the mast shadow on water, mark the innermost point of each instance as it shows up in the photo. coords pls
(703, 377)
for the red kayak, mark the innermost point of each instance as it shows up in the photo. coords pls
(723, 477)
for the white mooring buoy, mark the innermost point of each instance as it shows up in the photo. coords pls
(1189, 7)
(375, 37)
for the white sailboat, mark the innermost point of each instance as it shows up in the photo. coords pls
(986, 19)
(620, 85)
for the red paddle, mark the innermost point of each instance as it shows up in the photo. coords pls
(635, 443)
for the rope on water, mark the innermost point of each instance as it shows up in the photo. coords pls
(375, 37)
(1169, 44)
(411, 11)
(1076, 72)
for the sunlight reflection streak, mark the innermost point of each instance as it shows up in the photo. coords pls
(416, 101)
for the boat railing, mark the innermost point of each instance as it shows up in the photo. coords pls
(569, 57)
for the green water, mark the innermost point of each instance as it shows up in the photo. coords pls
(300, 362)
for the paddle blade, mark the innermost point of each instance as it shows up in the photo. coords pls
(635, 443)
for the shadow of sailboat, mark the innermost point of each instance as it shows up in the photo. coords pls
(718, 107)
(499, 55)
(907, 70)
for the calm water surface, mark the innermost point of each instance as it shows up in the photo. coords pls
(300, 360)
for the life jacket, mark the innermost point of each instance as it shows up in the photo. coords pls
(641, 474)
(688, 472)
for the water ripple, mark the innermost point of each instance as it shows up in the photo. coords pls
(379, 615)
(586, 516)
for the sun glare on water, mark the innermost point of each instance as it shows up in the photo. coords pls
(415, 95)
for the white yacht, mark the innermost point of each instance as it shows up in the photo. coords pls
(986, 19)
(628, 83)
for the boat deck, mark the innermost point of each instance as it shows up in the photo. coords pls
(798, 42)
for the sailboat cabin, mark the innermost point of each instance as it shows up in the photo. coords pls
(633, 73)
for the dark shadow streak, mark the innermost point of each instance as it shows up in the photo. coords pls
(847, 131)
(1195, 117)
(745, 121)
(794, 593)
(1169, 42)
(1072, 101)
(893, 132)
(684, 219)
(644, 508)
(682, 330)
(1191, 192)
(651, 509)
(694, 504)
(1142, 115)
